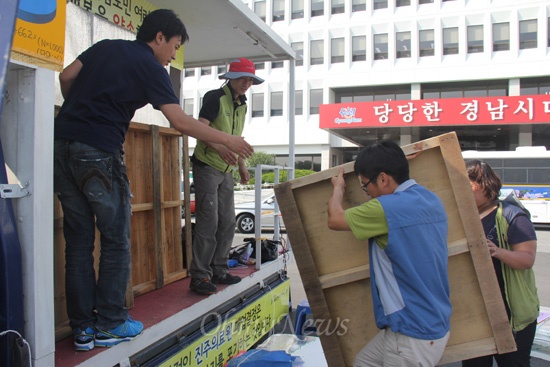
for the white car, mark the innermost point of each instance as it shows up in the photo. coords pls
(245, 214)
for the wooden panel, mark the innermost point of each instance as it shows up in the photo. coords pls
(334, 266)
(152, 156)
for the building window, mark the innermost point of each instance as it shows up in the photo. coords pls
(206, 71)
(315, 100)
(426, 42)
(175, 77)
(189, 72)
(450, 41)
(501, 37)
(337, 6)
(399, 3)
(257, 105)
(475, 39)
(276, 104)
(493, 88)
(358, 5)
(527, 34)
(278, 10)
(425, 2)
(358, 48)
(298, 102)
(337, 50)
(380, 4)
(277, 64)
(222, 69)
(297, 9)
(533, 86)
(259, 65)
(317, 8)
(376, 93)
(259, 9)
(402, 45)
(381, 46)
(298, 47)
(316, 51)
(188, 106)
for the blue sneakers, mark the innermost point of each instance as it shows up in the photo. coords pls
(84, 339)
(131, 329)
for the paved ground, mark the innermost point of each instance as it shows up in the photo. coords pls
(542, 273)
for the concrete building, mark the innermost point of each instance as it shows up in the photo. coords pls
(357, 55)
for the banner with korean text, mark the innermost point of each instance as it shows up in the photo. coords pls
(234, 333)
(532, 109)
(127, 14)
(39, 34)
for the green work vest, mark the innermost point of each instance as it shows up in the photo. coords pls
(230, 119)
(519, 284)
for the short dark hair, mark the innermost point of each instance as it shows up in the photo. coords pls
(165, 21)
(481, 173)
(387, 157)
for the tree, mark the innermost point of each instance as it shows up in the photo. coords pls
(255, 159)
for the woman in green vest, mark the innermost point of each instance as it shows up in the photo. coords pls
(512, 244)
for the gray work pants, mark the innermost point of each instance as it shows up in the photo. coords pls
(215, 221)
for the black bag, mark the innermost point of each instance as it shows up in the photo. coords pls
(270, 249)
(513, 199)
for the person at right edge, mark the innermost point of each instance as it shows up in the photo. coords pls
(406, 227)
(512, 242)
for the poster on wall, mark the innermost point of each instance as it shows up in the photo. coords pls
(39, 33)
(126, 14)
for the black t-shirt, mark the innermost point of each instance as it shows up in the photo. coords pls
(117, 78)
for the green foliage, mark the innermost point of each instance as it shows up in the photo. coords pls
(260, 158)
(268, 176)
(257, 158)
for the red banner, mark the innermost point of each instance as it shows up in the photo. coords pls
(438, 112)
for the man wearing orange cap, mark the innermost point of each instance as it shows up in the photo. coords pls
(223, 109)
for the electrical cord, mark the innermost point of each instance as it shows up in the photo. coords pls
(20, 341)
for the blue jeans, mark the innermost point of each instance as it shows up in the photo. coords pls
(93, 189)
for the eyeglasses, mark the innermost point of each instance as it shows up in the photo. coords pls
(364, 186)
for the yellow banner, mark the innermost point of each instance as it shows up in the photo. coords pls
(39, 34)
(238, 333)
(127, 14)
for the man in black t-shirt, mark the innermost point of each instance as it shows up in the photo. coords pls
(103, 88)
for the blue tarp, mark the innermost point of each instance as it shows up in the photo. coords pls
(262, 358)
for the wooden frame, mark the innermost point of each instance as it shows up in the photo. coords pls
(334, 266)
(152, 156)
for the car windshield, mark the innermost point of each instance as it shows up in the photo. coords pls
(250, 196)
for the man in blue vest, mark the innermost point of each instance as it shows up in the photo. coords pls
(223, 109)
(406, 227)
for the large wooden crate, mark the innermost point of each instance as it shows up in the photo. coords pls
(152, 156)
(334, 266)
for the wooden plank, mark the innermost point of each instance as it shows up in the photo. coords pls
(334, 266)
(157, 181)
(345, 276)
(308, 272)
(187, 199)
